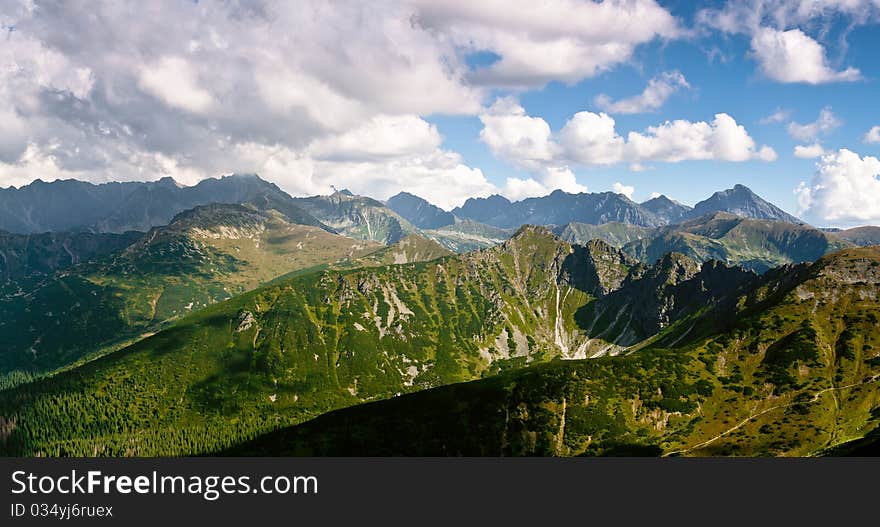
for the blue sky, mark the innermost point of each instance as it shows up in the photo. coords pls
(454, 99)
(727, 83)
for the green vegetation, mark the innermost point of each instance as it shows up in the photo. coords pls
(722, 362)
(752, 243)
(205, 255)
(715, 395)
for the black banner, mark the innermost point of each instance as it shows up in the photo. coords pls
(407, 491)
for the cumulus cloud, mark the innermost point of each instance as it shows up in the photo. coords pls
(843, 190)
(825, 123)
(589, 138)
(536, 42)
(809, 151)
(793, 56)
(778, 31)
(514, 135)
(723, 139)
(873, 135)
(655, 95)
(626, 190)
(194, 90)
(173, 80)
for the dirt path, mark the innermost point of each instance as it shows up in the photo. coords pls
(742, 423)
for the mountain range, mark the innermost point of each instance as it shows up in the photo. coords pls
(690, 352)
(253, 322)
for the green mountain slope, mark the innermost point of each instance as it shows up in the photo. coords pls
(863, 236)
(468, 235)
(357, 216)
(797, 373)
(411, 249)
(300, 347)
(752, 243)
(204, 255)
(616, 234)
(28, 257)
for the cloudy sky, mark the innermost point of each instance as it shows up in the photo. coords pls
(453, 99)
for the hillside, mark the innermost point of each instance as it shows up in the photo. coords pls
(797, 374)
(752, 243)
(468, 235)
(357, 217)
(863, 236)
(419, 211)
(30, 257)
(411, 249)
(203, 256)
(315, 342)
(300, 347)
(613, 233)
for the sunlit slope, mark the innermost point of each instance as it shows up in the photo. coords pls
(798, 373)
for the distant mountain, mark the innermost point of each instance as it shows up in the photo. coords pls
(558, 208)
(419, 212)
(614, 233)
(482, 210)
(357, 217)
(863, 236)
(753, 243)
(669, 210)
(413, 248)
(205, 255)
(118, 207)
(30, 256)
(741, 201)
(468, 235)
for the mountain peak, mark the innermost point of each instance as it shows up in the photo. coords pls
(527, 231)
(741, 201)
(419, 211)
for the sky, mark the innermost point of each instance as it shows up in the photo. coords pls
(453, 99)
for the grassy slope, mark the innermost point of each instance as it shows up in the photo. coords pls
(207, 255)
(295, 349)
(755, 244)
(616, 234)
(797, 374)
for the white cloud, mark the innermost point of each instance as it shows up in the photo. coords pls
(513, 135)
(723, 139)
(194, 90)
(873, 135)
(591, 139)
(779, 34)
(793, 56)
(174, 81)
(626, 190)
(565, 40)
(843, 191)
(778, 116)
(658, 90)
(825, 123)
(655, 195)
(809, 151)
(381, 137)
